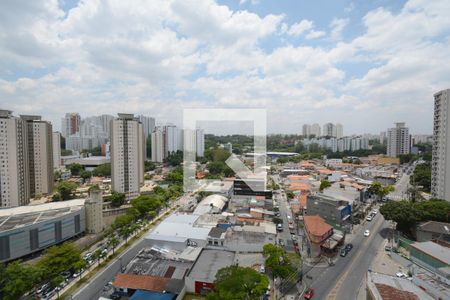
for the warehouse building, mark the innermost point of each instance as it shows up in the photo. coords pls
(28, 229)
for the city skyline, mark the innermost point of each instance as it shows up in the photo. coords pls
(300, 62)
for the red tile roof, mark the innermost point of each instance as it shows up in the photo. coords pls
(141, 282)
(316, 226)
(391, 293)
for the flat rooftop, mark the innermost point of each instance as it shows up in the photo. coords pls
(435, 250)
(16, 217)
(151, 263)
(209, 262)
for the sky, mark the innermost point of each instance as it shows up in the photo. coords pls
(364, 64)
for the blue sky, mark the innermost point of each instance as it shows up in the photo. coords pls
(365, 64)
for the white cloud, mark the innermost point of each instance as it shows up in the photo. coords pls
(157, 57)
(299, 28)
(313, 34)
(337, 27)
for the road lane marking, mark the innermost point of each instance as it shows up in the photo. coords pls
(333, 293)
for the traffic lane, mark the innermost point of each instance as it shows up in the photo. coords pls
(350, 286)
(325, 279)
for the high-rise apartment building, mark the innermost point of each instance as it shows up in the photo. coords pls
(158, 145)
(148, 124)
(329, 129)
(172, 136)
(398, 140)
(440, 168)
(315, 130)
(339, 131)
(56, 150)
(127, 155)
(200, 143)
(306, 130)
(40, 155)
(14, 179)
(70, 124)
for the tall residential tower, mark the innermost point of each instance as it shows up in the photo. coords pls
(398, 140)
(14, 180)
(127, 155)
(440, 168)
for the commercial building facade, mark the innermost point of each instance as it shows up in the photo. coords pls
(28, 229)
(440, 167)
(127, 155)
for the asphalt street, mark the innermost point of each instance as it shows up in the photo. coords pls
(343, 279)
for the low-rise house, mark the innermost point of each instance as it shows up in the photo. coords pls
(433, 230)
(317, 232)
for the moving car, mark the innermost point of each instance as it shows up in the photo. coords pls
(309, 294)
(349, 247)
(367, 232)
(343, 252)
(280, 227)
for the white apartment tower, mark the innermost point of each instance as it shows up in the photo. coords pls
(440, 168)
(56, 150)
(315, 130)
(171, 134)
(94, 211)
(127, 155)
(329, 129)
(339, 131)
(40, 155)
(306, 130)
(200, 142)
(14, 180)
(398, 140)
(158, 145)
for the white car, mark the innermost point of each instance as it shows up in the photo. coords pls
(367, 232)
(375, 211)
(401, 275)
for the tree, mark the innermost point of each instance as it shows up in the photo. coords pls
(175, 177)
(149, 166)
(122, 221)
(324, 184)
(97, 255)
(56, 282)
(278, 261)
(85, 174)
(125, 232)
(102, 170)
(381, 191)
(56, 197)
(216, 167)
(16, 279)
(117, 199)
(290, 195)
(406, 158)
(175, 158)
(59, 258)
(408, 214)
(113, 242)
(75, 169)
(65, 189)
(422, 176)
(238, 283)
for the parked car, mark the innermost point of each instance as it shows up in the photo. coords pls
(367, 232)
(343, 252)
(349, 247)
(388, 248)
(401, 275)
(262, 269)
(42, 288)
(309, 294)
(369, 218)
(294, 237)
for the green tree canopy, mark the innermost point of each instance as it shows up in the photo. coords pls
(102, 170)
(324, 184)
(237, 283)
(75, 169)
(408, 214)
(60, 258)
(175, 176)
(16, 279)
(65, 189)
(149, 166)
(278, 261)
(175, 158)
(422, 176)
(117, 199)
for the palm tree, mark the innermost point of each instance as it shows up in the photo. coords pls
(113, 242)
